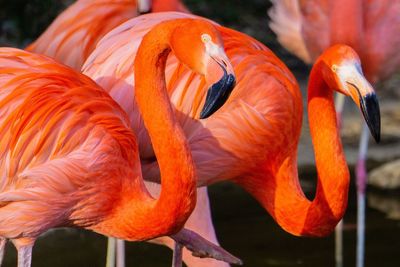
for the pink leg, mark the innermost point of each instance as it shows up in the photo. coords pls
(361, 182)
(143, 6)
(24, 247)
(111, 249)
(202, 248)
(3, 242)
(200, 222)
(339, 105)
(177, 257)
(120, 253)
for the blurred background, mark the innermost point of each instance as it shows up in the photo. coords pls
(242, 226)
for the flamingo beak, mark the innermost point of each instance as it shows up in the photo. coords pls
(364, 95)
(370, 109)
(219, 92)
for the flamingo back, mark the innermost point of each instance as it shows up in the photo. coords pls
(73, 34)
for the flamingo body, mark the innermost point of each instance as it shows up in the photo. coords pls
(71, 38)
(372, 28)
(64, 140)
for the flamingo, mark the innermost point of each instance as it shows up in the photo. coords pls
(69, 157)
(372, 28)
(73, 35)
(70, 39)
(252, 140)
(245, 131)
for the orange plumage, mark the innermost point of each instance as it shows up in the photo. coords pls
(73, 35)
(251, 140)
(69, 157)
(71, 38)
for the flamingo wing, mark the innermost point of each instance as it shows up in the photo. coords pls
(73, 35)
(286, 22)
(56, 128)
(381, 38)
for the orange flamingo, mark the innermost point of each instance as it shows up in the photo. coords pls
(252, 140)
(71, 38)
(372, 28)
(68, 157)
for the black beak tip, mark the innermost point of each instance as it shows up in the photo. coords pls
(217, 95)
(370, 109)
(203, 115)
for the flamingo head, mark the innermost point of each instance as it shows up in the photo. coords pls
(343, 72)
(199, 46)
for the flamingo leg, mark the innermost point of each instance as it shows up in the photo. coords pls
(339, 244)
(361, 180)
(110, 261)
(120, 253)
(177, 255)
(3, 242)
(339, 106)
(202, 248)
(24, 247)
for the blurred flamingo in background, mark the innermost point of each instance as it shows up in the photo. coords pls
(252, 140)
(69, 158)
(73, 35)
(372, 28)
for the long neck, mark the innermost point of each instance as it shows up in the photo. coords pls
(141, 217)
(346, 23)
(277, 185)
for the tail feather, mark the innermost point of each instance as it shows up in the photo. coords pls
(286, 23)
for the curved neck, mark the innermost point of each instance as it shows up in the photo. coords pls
(277, 185)
(346, 23)
(140, 216)
(178, 179)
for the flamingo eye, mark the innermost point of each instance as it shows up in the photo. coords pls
(205, 38)
(334, 67)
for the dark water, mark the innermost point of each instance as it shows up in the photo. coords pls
(244, 229)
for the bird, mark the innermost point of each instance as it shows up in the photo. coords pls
(372, 28)
(71, 38)
(252, 139)
(229, 158)
(69, 157)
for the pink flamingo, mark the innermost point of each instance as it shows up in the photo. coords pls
(252, 140)
(372, 28)
(69, 158)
